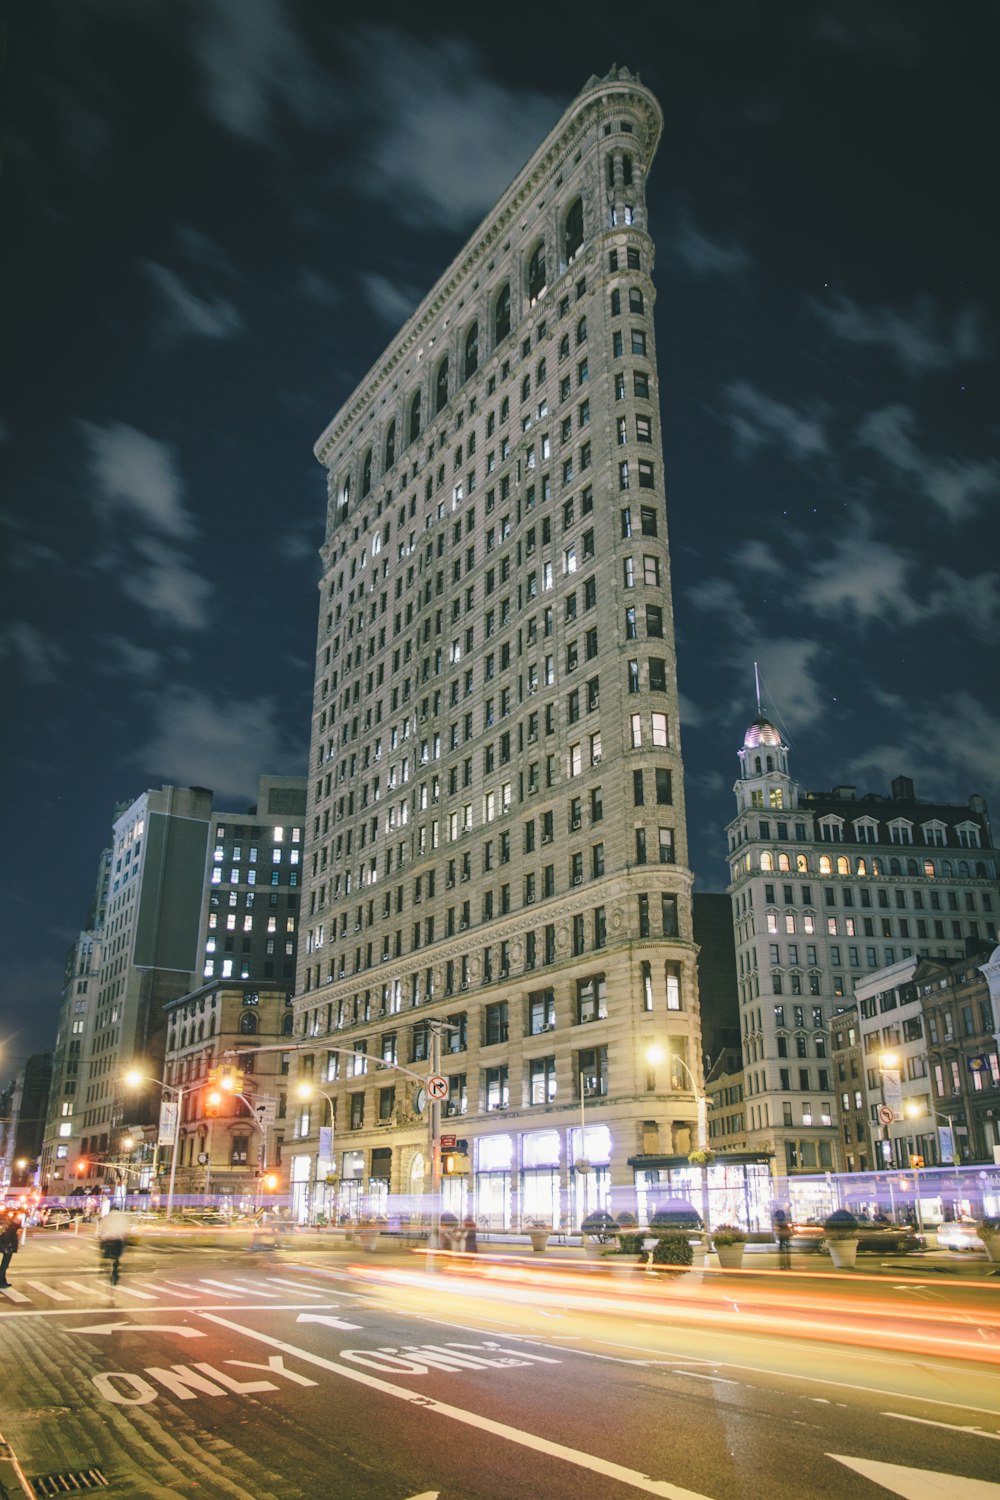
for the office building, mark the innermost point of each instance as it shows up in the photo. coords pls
(497, 847)
(827, 887)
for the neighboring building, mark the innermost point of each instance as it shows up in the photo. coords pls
(717, 987)
(727, 1123)
(894, 1059)
(61, 1167)
(185, 895)
(496, 821)
(856, 1150)
(827, 887)
(25, 1106)
(961, 1012)
(223, 1148)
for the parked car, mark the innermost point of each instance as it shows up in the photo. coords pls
(959, 1234)
(878, 1239)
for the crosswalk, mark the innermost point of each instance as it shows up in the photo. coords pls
(66, 1293)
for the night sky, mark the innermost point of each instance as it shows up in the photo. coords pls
(218, 212)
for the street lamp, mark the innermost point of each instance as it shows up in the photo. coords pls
(656, 1054)
(134, 1079)
(915, 1111)
(305, 1091)
(892, 1099)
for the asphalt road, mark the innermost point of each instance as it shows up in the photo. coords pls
(305, 1375)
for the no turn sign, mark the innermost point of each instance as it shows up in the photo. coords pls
(438, 1087)
(886, 1114)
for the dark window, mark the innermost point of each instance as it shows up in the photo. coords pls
(573, 232)
(441, 386)
(536, 272)
(471, 362)
(501, 315)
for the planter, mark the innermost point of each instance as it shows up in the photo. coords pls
(731, 1256)
(593, 1246)
(367, 1239)
(622, 1265)
(843, 1253)
(539, 1239)
(991, 1244)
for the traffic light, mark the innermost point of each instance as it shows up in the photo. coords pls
(270, 1182)
(213, 1098)
(81, 1168)
(231, 1079)
(455, 1159)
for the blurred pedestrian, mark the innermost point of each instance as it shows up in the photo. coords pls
(113, 1234)
(469, 1244)
(10, 1243)
(783, 1234)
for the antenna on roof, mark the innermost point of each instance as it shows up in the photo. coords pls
(756, 678)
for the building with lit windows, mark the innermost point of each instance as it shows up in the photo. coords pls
(497, 847)
(186, 895)
(827, 887)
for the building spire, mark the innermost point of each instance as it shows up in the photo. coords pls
(756, 679)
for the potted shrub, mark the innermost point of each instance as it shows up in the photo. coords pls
(672, 1251)
(840, 1232)
(729, 1241)
(538, 1234)
(989, 1233)
(368, 1233)
(627, 1251)
(597, 1230)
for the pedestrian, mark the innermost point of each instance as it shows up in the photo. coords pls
(112, 1235)
(783, 1234)
(469, 1241)
(10, 1243)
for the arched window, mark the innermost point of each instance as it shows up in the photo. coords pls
(876, 865)
(441, 386)
(895, 868)
(802, 864)
(366, 472)
(616, 303)
(536, 272)
(345, 492)
(929, 869)
(501, 314)
(963, 868)
(390, 445)
(635, 300)
(766, 861)
(843, 865)
(626, 169)
(573, 230)
(471, 362)
(414, 429)
(248, 1023)
(783, 863)
(980, 870)
(770, 762)
(946, 870)
(581, 331)
(756, 764)
(288, 1024)
(911, 867)
(825, 865)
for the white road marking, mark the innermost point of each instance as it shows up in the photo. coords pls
(229, 1286)
(697, 1375)
(131, 1291)
(180, 1329)
(311, 1317)
(49, 1291)
(948, 1426)
(13, 1295)
(296, 1286)
(81, 1286)
(591, 1461)
(919, 1484)
(69, 1312)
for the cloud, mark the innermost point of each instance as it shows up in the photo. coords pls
(754, 556)
(443, 139)
(163, 583)
(197, 739)
(921, 341)
(182, 314)
(36, 654)
(863, 578)
(721, 598)
(956, 486)
(136, 478)
(758, 421)
(975, 601)
(789, 681)
(393, 303)
(691, 246)
(255, 69)
(120, 657)
(949, 748)
(201, 250)
(318, 288)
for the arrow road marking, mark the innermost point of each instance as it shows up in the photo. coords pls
(901, 1416)
(919, 1484)
(330, 1322)
(179, 1328)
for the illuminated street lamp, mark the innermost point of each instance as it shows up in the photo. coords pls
(656, 1054)
(134, 1079)
(892, 1099)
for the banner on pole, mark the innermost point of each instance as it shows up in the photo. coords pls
(168, 1123)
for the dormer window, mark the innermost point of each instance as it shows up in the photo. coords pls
(866, 831)
(831, 830)
(901, 831)
(968, 835)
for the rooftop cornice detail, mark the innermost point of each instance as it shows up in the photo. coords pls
(597, 98)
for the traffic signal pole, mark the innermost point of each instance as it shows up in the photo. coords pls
(434, 1142)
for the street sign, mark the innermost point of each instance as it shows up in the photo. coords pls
(266, 1110)
(886, 1114)
(438, 1087)
(449, 1142)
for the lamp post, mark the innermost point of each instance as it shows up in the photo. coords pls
(305, 1091)
(133, 1079)
(892, 1100)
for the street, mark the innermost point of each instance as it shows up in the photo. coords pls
(260, 1374)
